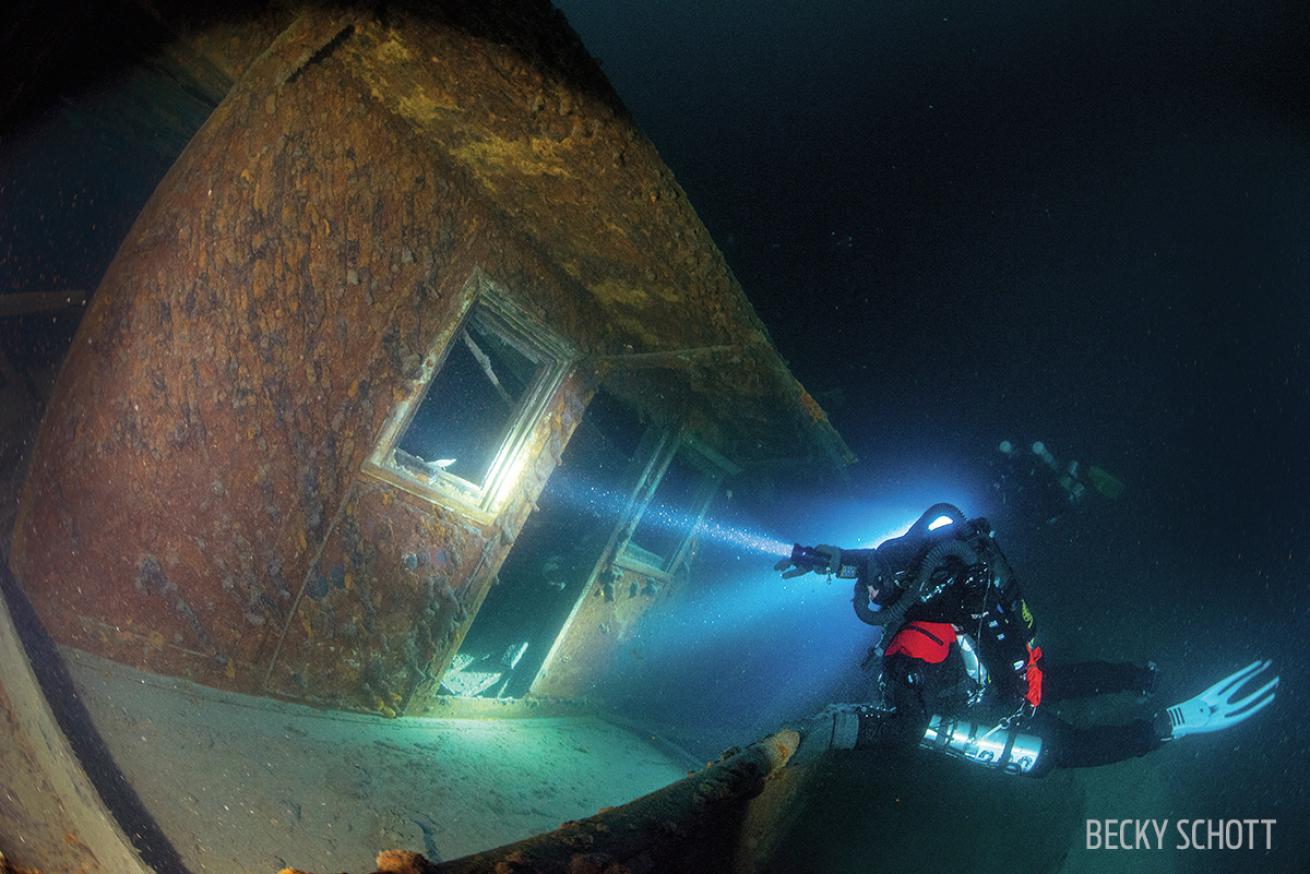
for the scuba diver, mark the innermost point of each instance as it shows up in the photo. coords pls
(961, 670)
(1036, 483)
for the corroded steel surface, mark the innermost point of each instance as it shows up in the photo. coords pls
(395, 585)
(263, 317)
(601, 635)
(195, 503)
(552, 148)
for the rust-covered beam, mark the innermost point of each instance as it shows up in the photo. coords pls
(667, 358)
(31, 303)
(684, 826)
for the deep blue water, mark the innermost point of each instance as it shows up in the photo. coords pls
(1069, 222)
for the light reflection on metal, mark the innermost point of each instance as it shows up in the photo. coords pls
(939, 522)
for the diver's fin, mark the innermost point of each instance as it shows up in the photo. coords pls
(1104, 482)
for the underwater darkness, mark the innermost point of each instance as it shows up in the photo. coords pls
(1073, 222)
(1070, 222)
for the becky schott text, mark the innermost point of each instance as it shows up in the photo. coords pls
(1182, 834)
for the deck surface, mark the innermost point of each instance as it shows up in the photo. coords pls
(250, 784)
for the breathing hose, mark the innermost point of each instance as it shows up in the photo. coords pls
(891, 616)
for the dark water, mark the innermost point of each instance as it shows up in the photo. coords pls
(961, 224)
(1064, 222)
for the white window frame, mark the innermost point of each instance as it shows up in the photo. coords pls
(713, 467)
(530, 337)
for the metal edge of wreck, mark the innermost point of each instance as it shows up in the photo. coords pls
(680, 827)
(95, 828)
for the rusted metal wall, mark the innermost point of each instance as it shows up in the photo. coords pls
(601, 633)
(396, 585)
(195, 504)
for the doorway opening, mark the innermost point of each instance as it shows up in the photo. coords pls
(554, 557)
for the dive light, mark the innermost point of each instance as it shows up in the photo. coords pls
(810, 558)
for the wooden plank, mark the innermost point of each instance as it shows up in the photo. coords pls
(30, 303)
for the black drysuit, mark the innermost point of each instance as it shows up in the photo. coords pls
(925, 673)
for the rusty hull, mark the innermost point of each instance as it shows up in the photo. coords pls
(196, 503)
(602, 632)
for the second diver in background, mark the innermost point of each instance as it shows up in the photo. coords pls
(1033, 483)
(962, 672)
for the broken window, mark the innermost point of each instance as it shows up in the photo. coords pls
(469, 427)
(684, 492)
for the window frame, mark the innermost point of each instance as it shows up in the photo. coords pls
(528, 335)
(712, 467)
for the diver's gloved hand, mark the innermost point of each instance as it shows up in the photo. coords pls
(1219, 707)
(835, 727)
(803, 559)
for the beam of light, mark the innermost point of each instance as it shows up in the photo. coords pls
(764, 649)
(583, 494)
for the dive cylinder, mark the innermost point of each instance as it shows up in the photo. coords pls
(1002, 747)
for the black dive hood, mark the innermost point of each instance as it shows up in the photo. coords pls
(905, 564)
